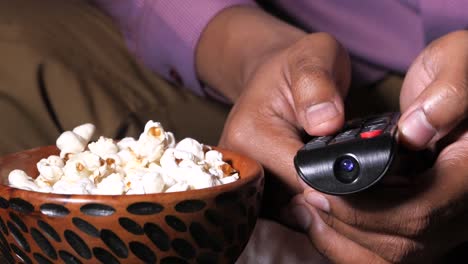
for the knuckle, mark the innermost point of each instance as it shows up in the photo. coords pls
(397, 249)
(374, 259)
(234, 138)
(457, 91)
(243, 136)
(452, 96)
(319, 37)
(309, 69)
(311, 76)
(457, 35)
(329, 220)
(324, 246)
(325, 249)
(418, 221)
(300, 62)
(353, 218)
(303, 53)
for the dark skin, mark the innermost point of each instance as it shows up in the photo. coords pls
(282, 81)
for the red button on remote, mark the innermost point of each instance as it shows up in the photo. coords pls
(371, 134)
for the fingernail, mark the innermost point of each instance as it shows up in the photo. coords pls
(417, 130)
(301, 216)
(318, 201)
(320, 113)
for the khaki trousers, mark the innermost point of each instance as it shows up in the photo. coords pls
(64, 63)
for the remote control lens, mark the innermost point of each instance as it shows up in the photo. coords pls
(347, 165)
(346, 169)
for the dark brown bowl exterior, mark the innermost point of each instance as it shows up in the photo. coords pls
(209, 225)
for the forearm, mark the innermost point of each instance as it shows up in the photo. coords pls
(235, 42)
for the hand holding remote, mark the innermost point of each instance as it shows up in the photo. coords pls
(423, 220)
(353, 159)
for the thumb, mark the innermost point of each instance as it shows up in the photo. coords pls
(318, 75)
(435, 92)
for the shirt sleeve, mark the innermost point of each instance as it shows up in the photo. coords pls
(163, 34)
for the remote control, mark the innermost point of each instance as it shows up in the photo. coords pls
(352, 160)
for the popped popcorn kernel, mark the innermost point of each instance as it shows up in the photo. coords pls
(79, 166)
(153, 163)
(155, 131)
(104, 146)
(227, 169)
(70, 143)
(51, 168)
(85, 131)
(19, 179)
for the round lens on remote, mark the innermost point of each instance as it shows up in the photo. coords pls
(346, 169)
(347, 165)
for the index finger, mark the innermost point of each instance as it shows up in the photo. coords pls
(270, 137)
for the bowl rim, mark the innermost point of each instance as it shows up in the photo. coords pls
(256, 171)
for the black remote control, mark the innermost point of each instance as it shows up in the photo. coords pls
(352, 160)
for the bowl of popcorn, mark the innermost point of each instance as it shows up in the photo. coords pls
(150, 199)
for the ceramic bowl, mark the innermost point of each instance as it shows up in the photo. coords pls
(209, 225)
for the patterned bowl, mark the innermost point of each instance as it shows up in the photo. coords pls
(210, 225)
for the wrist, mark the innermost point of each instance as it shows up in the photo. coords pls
(235, 43)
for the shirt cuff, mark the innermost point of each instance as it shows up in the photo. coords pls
(163, 34)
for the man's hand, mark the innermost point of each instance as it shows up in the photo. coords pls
(300, 87)
(434, 96)
(422, 220)
(282, 81)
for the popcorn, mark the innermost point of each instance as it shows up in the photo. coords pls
(152, 182)
(81, 165)
(229, 179)
(133, 182)
(112, 184)
(85, 131)
(127, 143)
(19, 179)
(191, 146)
(43, 184)
(75, 141)
(179, 187)
(81, 186)
(213, 157)
(152, 164)
(202, 179)
(152, 142)
(50, 169)
(103, 147)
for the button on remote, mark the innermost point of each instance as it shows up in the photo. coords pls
(345, 136)
(371, 134)
(318, 142)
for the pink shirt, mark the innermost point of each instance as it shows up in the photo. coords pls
(381, 36)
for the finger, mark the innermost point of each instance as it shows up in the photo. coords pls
(437, 85)
(317, 72)
(330, 243)
(394, 247)
(390, 247)
(274, 140)
(380, 212)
